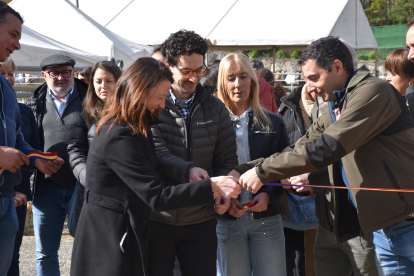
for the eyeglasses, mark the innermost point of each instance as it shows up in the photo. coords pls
(187, 73)
(55, 74)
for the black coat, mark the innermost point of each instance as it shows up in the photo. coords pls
(123, 185)
(263, 144)
(81, 138)
(291, 113)
(31, 136)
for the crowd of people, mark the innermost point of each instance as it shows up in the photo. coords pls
(169, 167)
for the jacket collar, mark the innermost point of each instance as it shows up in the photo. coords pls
(339, 95)
(292, 99)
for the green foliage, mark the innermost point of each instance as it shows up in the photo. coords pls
(388, 12)
(362, 57)
(254, 53)
(281, 54)
(295, 54)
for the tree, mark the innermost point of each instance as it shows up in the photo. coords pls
(388, 12)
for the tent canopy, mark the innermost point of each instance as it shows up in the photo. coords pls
(238, 24)
(36, 47)
(62, 21)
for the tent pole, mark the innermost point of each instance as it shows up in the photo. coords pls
(273, 57)
(77, 3)
(376, 62)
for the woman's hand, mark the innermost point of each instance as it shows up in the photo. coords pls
(260, 202)
(236, 209)
(225, 186)
(300, 180)
(222, 204)
(20, 199)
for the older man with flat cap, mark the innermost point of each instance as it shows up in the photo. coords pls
(56, 105)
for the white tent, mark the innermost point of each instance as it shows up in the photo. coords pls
(62, 21)
(36, 47)
(237, 24)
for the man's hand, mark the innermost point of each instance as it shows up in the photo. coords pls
(250, 181)
(236, 209)
(222, 204)
(197, 173)
(225, 186)
(20, 199)
(286, 181)
(235, 174)
(12, 159)
(260, 202)
(47, 166)
(300, 180)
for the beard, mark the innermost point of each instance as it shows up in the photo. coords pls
(61, 91)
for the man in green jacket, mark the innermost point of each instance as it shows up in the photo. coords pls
(368, 141)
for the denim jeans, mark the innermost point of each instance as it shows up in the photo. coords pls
(49, 213)
(8, 229)
(394, 249)
(246, 245)
(21, 216)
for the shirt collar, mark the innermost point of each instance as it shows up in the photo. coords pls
(235, 118)
(173, 99)
(67, 96)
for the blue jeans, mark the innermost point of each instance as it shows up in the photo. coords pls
(246, 245)
(21, 216)
(394, 249)
(8, 229)
(49, 212)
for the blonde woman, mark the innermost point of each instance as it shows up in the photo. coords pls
(251, 239)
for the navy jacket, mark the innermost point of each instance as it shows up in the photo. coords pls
(31, 136)
(10, 134)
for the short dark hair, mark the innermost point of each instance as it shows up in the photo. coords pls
(411, 23)
(398, 64)
(181, 43)
(85, 72)
(5, 10)
(256, 63)
(325, 51)
(266, 74)
(212, 74)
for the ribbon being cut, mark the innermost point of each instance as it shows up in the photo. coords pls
(36, 154)
(342, 187)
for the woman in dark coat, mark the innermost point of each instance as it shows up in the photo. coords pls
(104, 74)
(123, 184)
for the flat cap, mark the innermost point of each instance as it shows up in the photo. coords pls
(57, 60)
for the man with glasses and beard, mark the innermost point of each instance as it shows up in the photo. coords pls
(195, 140)
(56, 105)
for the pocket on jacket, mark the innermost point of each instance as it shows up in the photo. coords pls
(395, 184)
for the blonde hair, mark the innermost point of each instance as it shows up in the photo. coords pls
(260, 116)
(9, 62)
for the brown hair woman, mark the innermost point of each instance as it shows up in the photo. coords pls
(123, 182)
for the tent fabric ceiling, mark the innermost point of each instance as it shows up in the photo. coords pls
(233, 24)
(64, 22)
(36, 47)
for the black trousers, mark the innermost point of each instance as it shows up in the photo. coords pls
(295, 252)
(194, 245)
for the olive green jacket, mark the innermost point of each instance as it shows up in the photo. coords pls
(374, 137)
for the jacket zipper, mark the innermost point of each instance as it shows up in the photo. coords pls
(294, 119)
(396, 185)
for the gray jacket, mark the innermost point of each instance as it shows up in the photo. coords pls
(206, 141)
